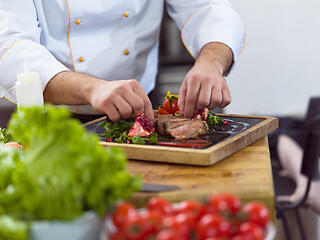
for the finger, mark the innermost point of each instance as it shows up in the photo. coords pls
(191, 98)
(226, 97)
(216, 98)
(148, 110)
(182, 97)
(112, 113)
(123, 107)
(204, 97)
(135, 101)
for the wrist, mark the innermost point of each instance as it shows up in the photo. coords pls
(90, 87)
(218, 55)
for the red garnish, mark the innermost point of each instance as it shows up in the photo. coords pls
(141, 127)
(161, 111)
(188, 143)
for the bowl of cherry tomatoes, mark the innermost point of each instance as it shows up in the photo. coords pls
(220, 217)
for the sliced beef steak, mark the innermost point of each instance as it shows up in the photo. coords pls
(180, 128)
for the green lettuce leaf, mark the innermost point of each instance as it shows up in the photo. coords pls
(12, 229)
(65, 169)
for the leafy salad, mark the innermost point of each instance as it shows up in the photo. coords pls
(62, 173)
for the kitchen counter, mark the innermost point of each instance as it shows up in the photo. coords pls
(246, 173)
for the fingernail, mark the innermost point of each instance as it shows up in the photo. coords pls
(152, 122)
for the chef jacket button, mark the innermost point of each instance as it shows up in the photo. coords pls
(126, 14)
(126, 52)
(78, 21)
(81, 59)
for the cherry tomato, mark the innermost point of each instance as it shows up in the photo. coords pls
(168, 234)
(123, 210)
(152, 220)
(160, 205)
(212, 225)
(252, 231)
(234, 225)
(134, 227)
(14, 145)
(161, 111)
(167, 105)
(189, 206)
(118, 236)
(242, 237)
(217, 238)
(174, 105)
(206, 209)
(225, 202)
(257, 212)
(188, 221)
(178, 224)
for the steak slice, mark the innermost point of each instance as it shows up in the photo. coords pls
(180, 127)
(187, 129)
(162, 122)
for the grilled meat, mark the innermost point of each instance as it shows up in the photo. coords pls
(180, 127)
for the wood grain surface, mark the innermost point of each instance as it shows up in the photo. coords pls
(246, 173)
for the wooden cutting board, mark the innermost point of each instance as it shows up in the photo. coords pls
(242, 130)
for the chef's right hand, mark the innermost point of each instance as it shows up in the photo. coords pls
(121, 99)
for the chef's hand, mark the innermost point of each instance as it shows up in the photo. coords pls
(204, 85)
(122, 99)
(118, 99)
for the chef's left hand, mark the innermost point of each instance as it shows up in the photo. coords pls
(204, 85)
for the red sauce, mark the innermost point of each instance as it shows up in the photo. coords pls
(189, 143)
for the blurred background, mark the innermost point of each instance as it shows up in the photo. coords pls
(278, 70)
(276, 74)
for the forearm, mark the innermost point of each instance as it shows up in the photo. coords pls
(218, 55)
(119, 99)
(70, 88)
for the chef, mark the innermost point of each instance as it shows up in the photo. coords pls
(101, 56)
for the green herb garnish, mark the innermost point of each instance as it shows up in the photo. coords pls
(5, 135)
(143, 140)
(117, 130)
(214, 122)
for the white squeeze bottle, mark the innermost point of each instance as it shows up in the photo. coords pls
(29, 88)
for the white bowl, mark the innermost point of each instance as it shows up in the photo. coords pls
(88, 226)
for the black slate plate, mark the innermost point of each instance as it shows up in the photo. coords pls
(235, 126)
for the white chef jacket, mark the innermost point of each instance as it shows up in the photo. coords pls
(108, 39)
